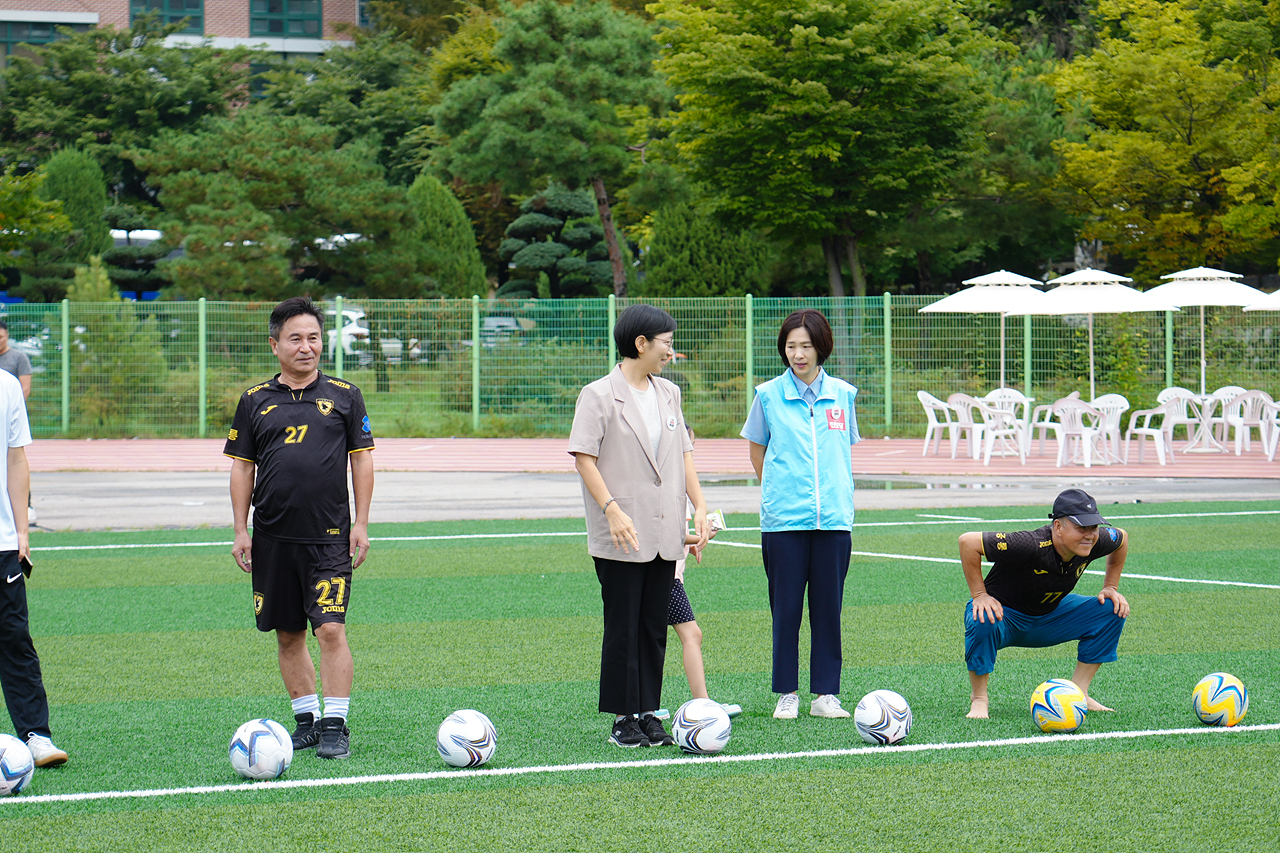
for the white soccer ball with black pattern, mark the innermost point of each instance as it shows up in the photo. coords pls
(701, 727)
(261, 750)
(16, 765)
(466, 738)
(882, 717)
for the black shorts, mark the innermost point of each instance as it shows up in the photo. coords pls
(299, 582)
(679, 610)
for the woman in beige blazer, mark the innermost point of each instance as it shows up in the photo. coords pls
(636, 462)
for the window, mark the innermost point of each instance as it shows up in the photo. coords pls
(16, 35)
(285, 18)
(173, 11)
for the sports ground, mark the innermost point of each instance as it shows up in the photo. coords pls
(151, 663)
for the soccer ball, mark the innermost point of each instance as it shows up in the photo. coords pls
(1220, 699)
(882, 717)
(16, 765)
(466, 739)
(1058, 706)
(261, 749)
(701, 727)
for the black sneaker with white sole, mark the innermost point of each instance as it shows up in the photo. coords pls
(335, 738)
(626, 733)
(652, 728)
(307, 733)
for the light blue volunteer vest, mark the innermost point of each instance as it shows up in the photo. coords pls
(808, 476)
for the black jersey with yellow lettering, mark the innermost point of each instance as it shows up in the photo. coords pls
(299, 441)
(1028, 575)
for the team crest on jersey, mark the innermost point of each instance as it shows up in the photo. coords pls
(257, 603)
(325, 406)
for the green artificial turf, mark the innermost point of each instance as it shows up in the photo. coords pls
(151, 662)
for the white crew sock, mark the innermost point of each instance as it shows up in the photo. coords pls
(337, 706)
(309, 704)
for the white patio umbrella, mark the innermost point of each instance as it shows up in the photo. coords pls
(1204, 286)
(1269, 302)
(1092, 292)
(993, 293)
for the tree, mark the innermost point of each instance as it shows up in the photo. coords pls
(23, 211)
(75, 180)
(105, 91)
(377, 90)
(1170, 116)
(426, 24)
(261, 202)
(449, 244)
(134, 267)
(822, 122)
(553, 112)
(556, 236)
(690, 254)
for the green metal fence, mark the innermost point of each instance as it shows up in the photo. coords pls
(476, 367)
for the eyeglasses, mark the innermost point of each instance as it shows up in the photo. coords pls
(668, 342)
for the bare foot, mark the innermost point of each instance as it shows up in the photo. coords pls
(977, 709)
(1094, 705)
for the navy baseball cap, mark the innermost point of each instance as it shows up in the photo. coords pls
(1076, 505)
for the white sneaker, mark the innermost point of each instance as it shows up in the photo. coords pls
(827, 705)
(44, 752)
(663, 713)
(788, 707)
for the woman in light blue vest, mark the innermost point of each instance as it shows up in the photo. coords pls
(801, 428)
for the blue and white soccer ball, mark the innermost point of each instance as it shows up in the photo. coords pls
(883, 717)
(466, 738)
(261, 749)
(1220, 699)
(1058, 706)
(701, 727)
(16, 765)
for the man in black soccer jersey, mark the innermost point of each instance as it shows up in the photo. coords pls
(1026, 598)
(290, 442)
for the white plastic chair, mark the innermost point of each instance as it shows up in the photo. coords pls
(1113, 407)
(933, 410)
(964, 406)
(1271, 417)
(1221, 397)
(1000, 425)
(1042, 420)
(1161, 434)
(1244, 414)
(1078, 430)
(1017, 405)
(1180, 417)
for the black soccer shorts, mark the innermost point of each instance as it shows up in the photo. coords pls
(299, 582)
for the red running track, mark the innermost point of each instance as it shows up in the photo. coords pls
(871, 458)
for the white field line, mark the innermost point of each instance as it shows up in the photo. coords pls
(1127, 575)
(901, 749)
(951, 517)
(951, 520)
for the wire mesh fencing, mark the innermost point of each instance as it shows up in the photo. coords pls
(477, 367)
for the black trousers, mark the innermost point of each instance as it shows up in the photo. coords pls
(819, 561)
(19, 665)
(635, 597)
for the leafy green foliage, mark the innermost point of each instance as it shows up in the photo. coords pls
(691, 254)
(448, 242)
(262, 203)
(50, 258)
(425, 24)
(134, 267)
(106, 91)
(24, 211)
(556, 237)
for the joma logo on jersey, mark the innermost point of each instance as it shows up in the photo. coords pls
(333, 608)
(338, 382)
(325, 406)
(1046, 544)
(333, 531)
(256, 388)
(233, 435)
(266, 410)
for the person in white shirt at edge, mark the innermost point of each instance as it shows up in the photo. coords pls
(635, 458)
(20, 676)
(801, 429)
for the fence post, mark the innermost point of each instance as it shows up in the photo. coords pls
(608, 333)
(202, 313)
(888, 362)
(1168, 350)
(66, 366)
(1026, 355)
(751, 362)
(337, 337)
(475, 363)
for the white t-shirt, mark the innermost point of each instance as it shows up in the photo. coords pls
(648, 400)
(17, 434)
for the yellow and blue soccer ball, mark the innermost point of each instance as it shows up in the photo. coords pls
(1220, 699)
(1058, 706)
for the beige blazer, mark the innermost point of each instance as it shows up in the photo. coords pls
(607, 424)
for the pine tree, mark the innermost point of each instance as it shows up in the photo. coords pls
(75, 179)
(449, 243)
(691, 254)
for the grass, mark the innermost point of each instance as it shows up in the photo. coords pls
(151, 662)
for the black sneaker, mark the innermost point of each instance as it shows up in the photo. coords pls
(626, 733)
(307, 734)
(652, 728)
(335, 738)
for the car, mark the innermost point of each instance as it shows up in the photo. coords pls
(356, 336)
(498, 329)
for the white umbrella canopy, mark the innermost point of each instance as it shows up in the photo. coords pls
(1205, 286)
(1090, 292)
(993, 293)
(1269, 302)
